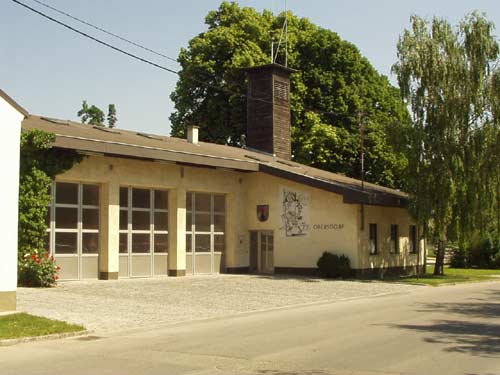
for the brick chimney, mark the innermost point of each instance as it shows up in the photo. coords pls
(268, 110)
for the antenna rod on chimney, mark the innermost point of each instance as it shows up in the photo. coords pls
(286, 36)
(272, 47)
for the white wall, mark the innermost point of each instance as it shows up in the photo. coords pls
(10, 122)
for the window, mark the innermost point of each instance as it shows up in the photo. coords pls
(373, 239)
(73, 219)
(205, 223)
(143, 221)
(394, 239)
(413, 238)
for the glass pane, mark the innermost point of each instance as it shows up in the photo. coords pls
(188, 221)
(219, 203)
(90, 195)
(140, 198)
(123, 197)
(90, 218)
(202, 202)
(161, 199)
(202, 243)
(66, 218)
(65, 243)
(188, 243)
(161, 221)
(66, 193)
(202, 222)
(140, 220)
(140, 243)
(219, 223)
(123, 219)
(219, 243)
(270, 243)
(161, 243)
(189, 201)
(90, 243)
(123, 243)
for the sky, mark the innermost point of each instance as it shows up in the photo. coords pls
(49, 70)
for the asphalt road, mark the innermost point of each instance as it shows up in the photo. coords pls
(447, 330)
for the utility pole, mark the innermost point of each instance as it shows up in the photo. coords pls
(362, 148)
(362, 158)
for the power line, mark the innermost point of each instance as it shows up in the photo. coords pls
(95, 39)
(105, 31)
(164, 68)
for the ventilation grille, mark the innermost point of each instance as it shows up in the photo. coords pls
(105, 129)
(281, 90)
(55, 121)
(287, 163)
(150, 136)
(256, 158)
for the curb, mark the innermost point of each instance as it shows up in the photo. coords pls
(54, 336)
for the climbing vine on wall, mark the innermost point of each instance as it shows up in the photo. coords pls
(40, 162)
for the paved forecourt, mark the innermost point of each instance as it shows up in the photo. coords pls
(107, 306)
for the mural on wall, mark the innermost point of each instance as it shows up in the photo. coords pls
(294, 213)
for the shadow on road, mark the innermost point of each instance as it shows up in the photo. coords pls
(474, 308)
(464, 336)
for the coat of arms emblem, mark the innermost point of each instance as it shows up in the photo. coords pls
(262, 212)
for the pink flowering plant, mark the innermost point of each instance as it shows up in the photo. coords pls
(37, 269)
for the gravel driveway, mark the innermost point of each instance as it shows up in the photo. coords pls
(106, 306)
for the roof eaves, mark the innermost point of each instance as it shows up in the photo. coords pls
(13, 103)
(350, 195)
(97, 145)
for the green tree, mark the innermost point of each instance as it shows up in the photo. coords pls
(112, 116)
(39, 164)
(91, 115)
(446, 76)
(334, 83)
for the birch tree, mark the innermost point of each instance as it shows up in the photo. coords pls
(445, 76)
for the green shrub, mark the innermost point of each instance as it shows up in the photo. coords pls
(334, 266)
(37, 270)
(458, 258)
(496, 261)
(481, 254)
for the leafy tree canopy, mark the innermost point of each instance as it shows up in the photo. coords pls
(333, 85)
(93, 115)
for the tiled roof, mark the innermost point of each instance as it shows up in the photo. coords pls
(125, 143)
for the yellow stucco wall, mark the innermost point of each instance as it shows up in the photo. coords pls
(384, 217)
(332, 225)
(325, 211)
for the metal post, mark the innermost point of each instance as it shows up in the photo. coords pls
(286, 36)
(362, 157)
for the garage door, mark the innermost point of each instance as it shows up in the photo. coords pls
(143, 232)
(73, 229)
(205, 232)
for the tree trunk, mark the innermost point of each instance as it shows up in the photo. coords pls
(438, 268)
(418, 249)
(425, 248)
